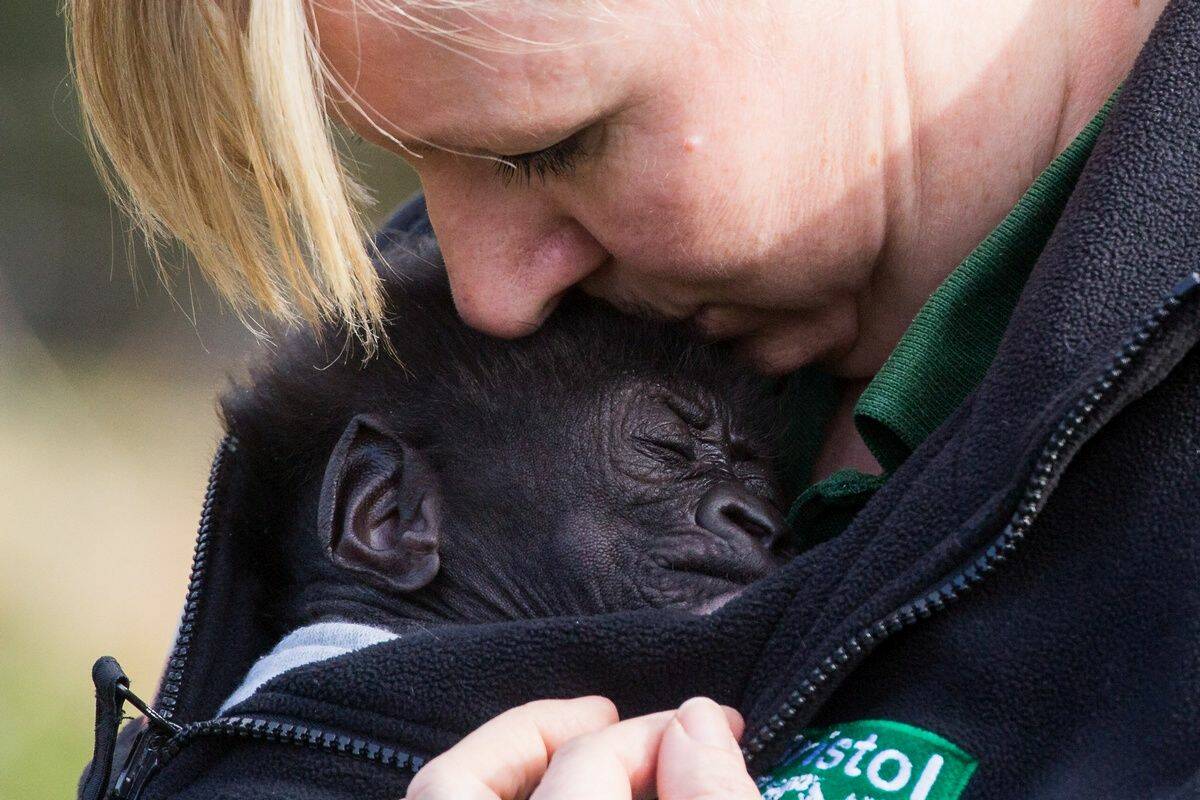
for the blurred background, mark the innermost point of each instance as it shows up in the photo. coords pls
(107, 417)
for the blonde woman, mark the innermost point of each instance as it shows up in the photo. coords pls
(979, 254)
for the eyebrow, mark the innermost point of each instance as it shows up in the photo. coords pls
(424, 145)
(421, 147)
(437, 141)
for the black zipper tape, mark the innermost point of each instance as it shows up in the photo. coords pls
(172, 681)
(154, 749)
(281, 732)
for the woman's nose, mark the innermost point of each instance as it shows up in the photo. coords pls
(509, 291)
(507, 273)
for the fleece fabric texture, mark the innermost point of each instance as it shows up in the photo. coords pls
(1070, 670)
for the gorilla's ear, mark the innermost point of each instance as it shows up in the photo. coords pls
(380, 509)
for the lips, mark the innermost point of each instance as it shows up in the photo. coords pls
(701, 553)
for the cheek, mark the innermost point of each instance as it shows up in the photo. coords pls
(692, 205)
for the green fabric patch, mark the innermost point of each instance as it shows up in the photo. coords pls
(938, 362)
(870, 760)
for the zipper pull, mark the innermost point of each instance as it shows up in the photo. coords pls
(112, 691)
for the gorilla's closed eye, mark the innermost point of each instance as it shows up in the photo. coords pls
(672, 449)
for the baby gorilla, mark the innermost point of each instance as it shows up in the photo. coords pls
(603, 463)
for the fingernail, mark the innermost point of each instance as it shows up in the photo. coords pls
(705, 722)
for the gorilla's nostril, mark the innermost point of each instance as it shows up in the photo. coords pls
(728, 508)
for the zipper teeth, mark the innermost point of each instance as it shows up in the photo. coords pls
(245, 727)
(168, 694)
(293, 734)
(1033, 499)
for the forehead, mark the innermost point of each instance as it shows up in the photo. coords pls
(478, 74)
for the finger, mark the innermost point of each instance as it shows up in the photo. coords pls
(616, 763)
(506, 757)
(699, 756)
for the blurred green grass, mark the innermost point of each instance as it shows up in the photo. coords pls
(107, 420)
(104, 469)
(46, 731)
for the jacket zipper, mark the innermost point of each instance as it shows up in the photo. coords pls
(168, 693)
(154, 749)
(1048, 467)
(290, 733)
(143, 756)
(130, 786)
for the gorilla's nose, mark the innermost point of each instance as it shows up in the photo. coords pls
(729, 509)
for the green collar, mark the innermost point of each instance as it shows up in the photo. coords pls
(939, 360)
(950, 344)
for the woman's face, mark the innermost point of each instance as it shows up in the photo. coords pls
(665, 155)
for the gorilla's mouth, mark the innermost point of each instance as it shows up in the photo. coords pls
(735, 568)
(714, 603)
(704, 571)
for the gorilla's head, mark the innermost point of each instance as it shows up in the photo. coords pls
(605, 462)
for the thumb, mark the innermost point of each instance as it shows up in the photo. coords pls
(699, 758)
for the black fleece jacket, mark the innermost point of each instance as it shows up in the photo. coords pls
(1026, 586)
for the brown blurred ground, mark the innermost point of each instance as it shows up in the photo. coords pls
(107, 419)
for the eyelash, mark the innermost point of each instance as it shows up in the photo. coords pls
(669, 449)
(559, 160)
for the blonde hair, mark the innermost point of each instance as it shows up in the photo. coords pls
(207, 121)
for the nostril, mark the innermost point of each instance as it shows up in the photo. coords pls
(727, 509)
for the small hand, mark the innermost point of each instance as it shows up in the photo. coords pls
(577, 749)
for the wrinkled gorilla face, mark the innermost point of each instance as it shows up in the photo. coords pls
(696, 517)
(605, 462)
(642, 495)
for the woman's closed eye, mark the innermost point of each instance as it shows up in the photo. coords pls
(558, 160)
